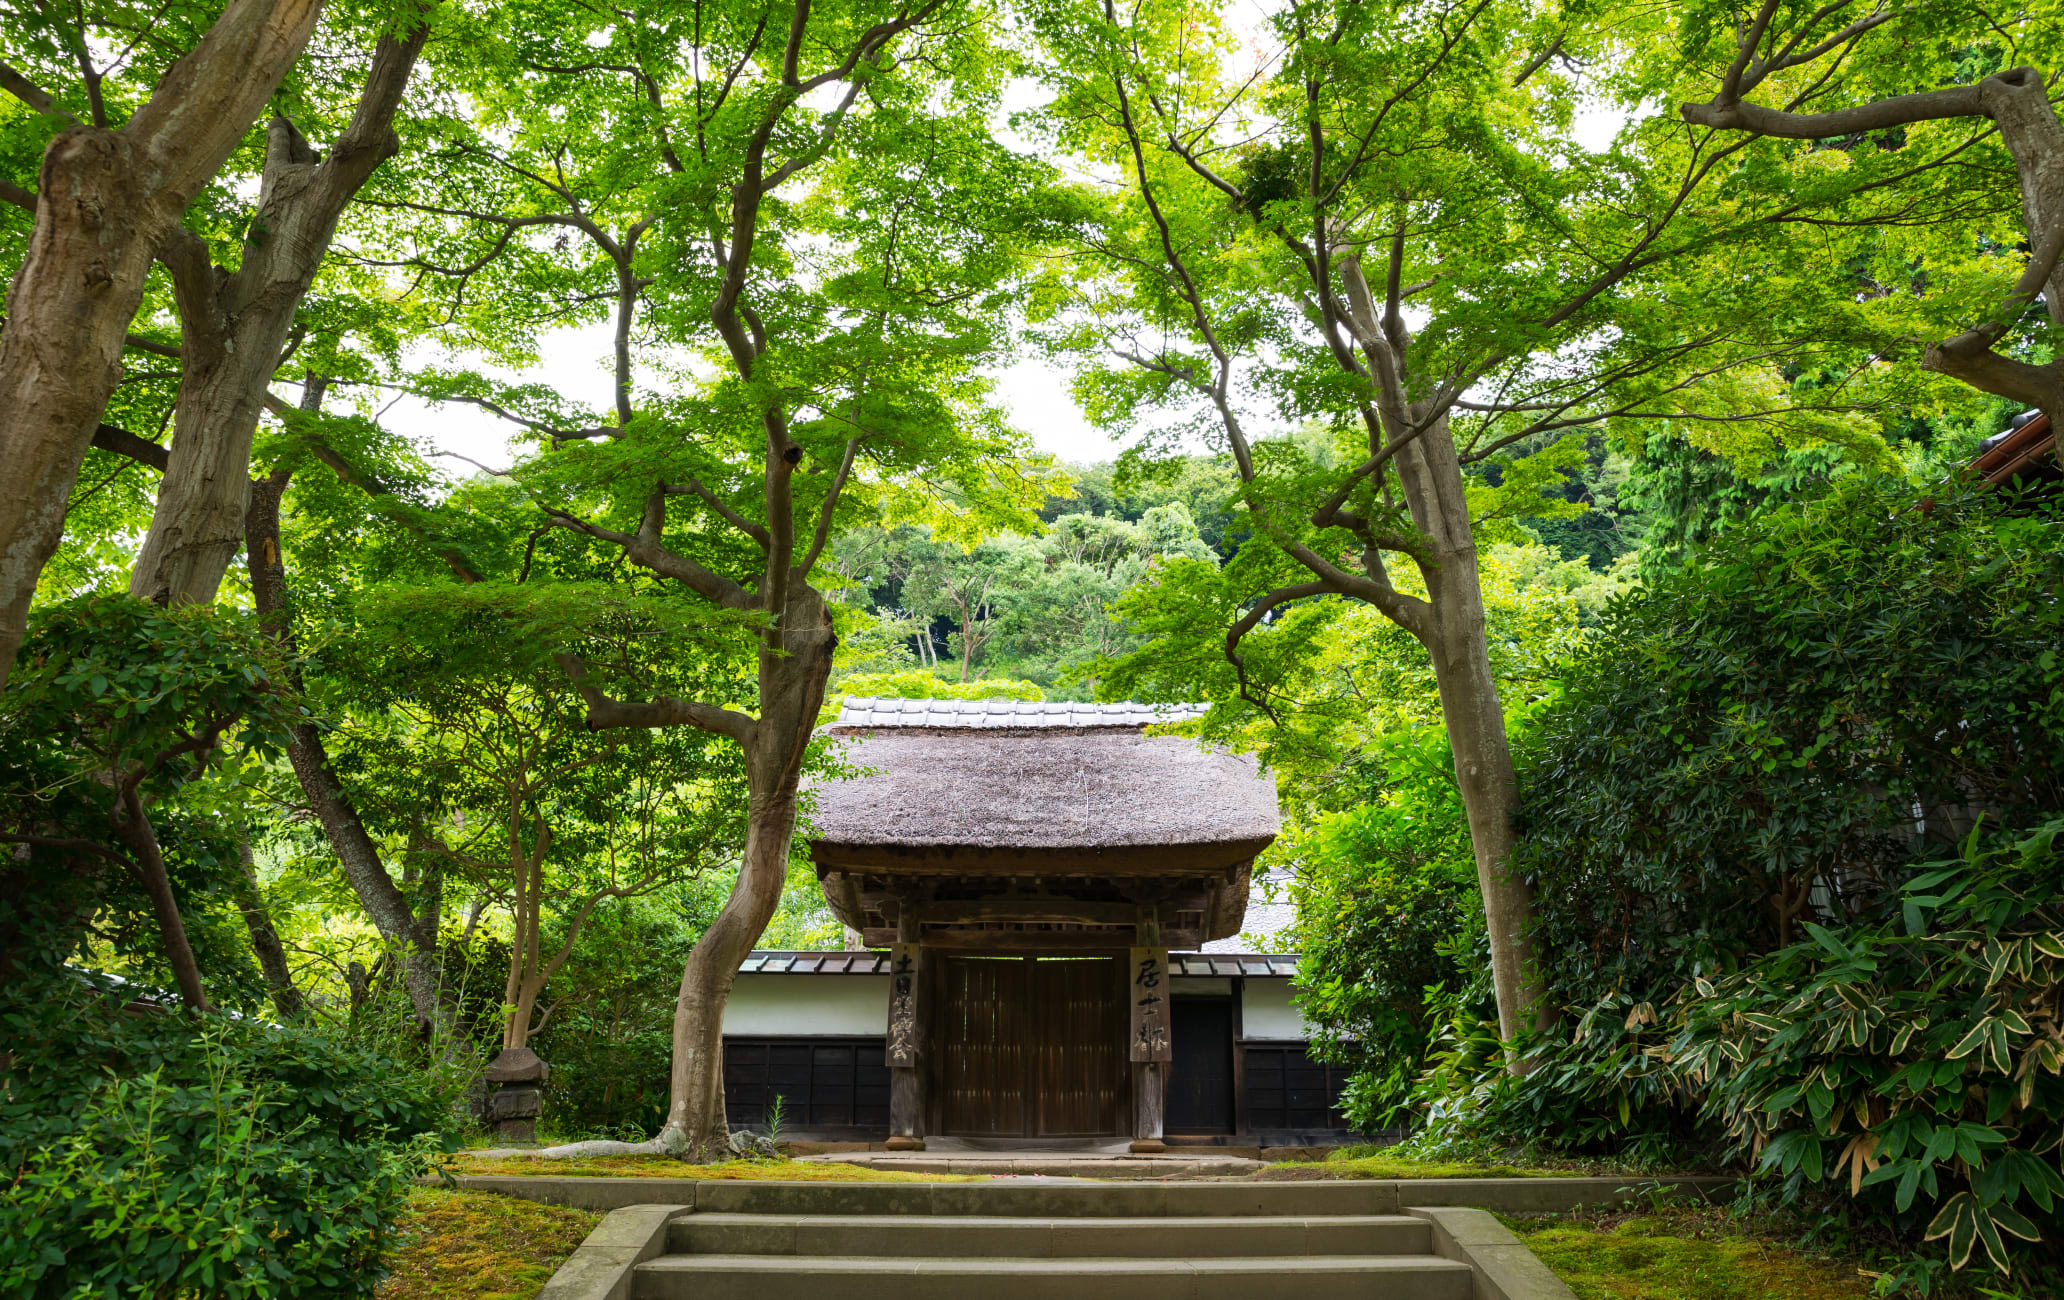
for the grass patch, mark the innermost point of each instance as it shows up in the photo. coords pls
(479, 1246)
(1694, 1254)
(1392, 1162)
(1450, 1160)
(1395, 1167)
(784, 1171)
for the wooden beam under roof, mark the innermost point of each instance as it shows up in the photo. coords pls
(1030, 943)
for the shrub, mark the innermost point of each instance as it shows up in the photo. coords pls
(1773, 735)
(1732, 818)
(1387, 906)
(1912, 1062)
(164, 1154)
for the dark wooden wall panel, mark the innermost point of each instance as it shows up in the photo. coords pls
(1287, 1089)
(823, 1083)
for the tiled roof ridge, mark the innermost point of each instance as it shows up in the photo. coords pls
(873, 711)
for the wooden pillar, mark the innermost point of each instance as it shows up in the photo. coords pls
(1148, 1038)
(906, 1037)
(1240, 1125)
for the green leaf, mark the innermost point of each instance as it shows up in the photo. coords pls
(1957, 1220)
(1970, 1042)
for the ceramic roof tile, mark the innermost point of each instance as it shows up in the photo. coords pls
(865, 711)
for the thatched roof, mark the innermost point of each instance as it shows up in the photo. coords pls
(964, 784)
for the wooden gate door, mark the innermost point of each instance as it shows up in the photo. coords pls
(1200, 1078)
(1030, 1048)
(1079, 1065)
(981, 1047)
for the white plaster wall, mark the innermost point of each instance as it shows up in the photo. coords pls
(821, 1005)
(1267, 1010)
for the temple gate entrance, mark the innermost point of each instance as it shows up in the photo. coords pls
(1028, 1047)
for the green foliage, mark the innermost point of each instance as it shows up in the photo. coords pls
(1770, 735)
(1205, 486)
(1911, 1060)
(1387, 906)
(916, 685)
(1322, 680)
(115, 696)
(609, 1038)
(153, 1154)
(123, 681)
(1723, 815)
(1035, 608)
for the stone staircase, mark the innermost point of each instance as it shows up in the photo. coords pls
(1050, 1241)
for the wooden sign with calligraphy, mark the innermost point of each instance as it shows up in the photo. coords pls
(1147, 994)
(903, 1023)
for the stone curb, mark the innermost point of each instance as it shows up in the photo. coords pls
(604, 1266)
(1503, 1266)
(1130, 1199)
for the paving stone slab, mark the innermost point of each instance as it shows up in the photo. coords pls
(748, 1277)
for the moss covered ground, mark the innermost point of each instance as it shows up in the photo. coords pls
(478, 1246)
(1693, 1254)
(1387, 1166)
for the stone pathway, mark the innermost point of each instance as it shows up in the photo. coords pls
(1048, 1159)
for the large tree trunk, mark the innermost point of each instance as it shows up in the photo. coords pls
(791, 694)
(1474, 716)
(1475, 721)
(105, 198)
(414, 943)
(234, 326)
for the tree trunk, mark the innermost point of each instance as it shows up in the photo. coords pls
(234, 326)
(133, 828)
(104, 200)
(1431, 473)
(1475, 720)
(791, 695)
(265, 940)
(414, 944)
(526, 958)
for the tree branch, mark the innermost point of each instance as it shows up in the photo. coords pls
(1251, 620)
(28, 92)
(606, 714)
(697, 488)
(826, 512)
(124, 443)
(645, 550)
(1899, 110)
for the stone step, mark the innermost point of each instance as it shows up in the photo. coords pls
(1055, 1166)
(785, 1277)
(932, 1237)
